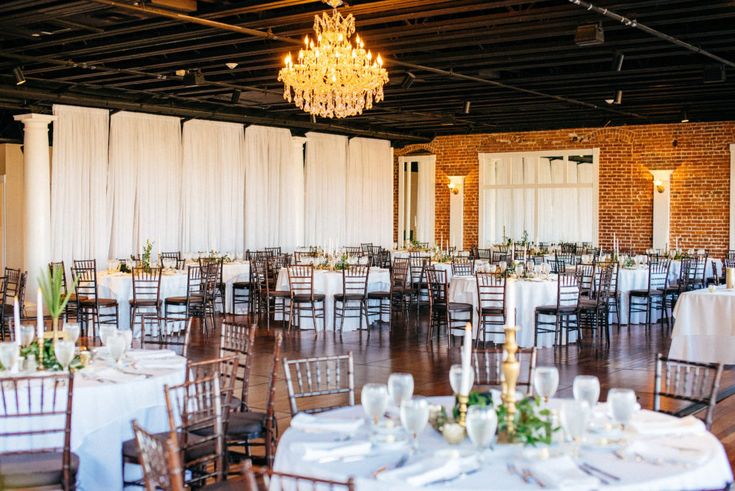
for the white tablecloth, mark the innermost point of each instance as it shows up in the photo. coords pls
(704, 330)
(120, 286)
(714, 473)
(528, 295)
(101, 416)
(330, 283)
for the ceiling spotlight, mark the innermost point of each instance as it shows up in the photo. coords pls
(408, 80)
(180, 72)
(618, 99)
(194, 77)
(589, 35)
(467, 106)
(231, 65)
(684, 116)
(618, 61)
(20, 79)
(235, 96)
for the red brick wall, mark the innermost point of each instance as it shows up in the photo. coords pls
(700, 185)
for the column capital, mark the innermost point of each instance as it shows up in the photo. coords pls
(35, 119)
(298, 140)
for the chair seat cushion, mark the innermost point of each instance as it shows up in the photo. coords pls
(491, 311)
(104, 302)
(279, 293)
(305, 297)
(644, 293)
(241, 285)
(145, 303)
(378, 295)
(459, 306)
(231, 485)
(341, 297)
(553, 309)
(182, 300)
(34, 470)
(246, 425)
(130, 447)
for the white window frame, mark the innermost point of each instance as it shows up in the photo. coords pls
(483, 240)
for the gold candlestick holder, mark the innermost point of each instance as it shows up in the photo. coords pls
(463, 401)
(511, 370)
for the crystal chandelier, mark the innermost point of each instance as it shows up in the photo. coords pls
(333, 78)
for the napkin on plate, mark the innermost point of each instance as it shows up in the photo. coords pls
(309, 422)
(667, 450)
(562, 473)
(312, 451)
(653, 424)
(430, 470)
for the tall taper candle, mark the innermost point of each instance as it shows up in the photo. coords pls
(16, 319)
(466, 384)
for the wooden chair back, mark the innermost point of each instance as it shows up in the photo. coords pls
(319, 381)
(488, 364)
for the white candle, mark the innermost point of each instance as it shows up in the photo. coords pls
(39, 314)
(466, 384)
(16, 319)
(510, 303)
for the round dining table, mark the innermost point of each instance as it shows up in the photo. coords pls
(106, 399)
(657, 452)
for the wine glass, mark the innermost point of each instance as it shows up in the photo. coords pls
(116, 343)
(64, 351)
(574, 418)
(71, 332)
(414, 417)
(455, 378)
(481, 423)
(400, 387)
(8, 355)
(27, 334)
(546, 381)
(374, 400)
(586, 388)
(622, 405)
(107, 332)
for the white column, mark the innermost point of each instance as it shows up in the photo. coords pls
(297, 194)
(456, 212)
(36, 196)
(661, 206)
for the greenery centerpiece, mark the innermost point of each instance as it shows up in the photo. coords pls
(46, 360)
(145, 258)
(55, 298)
(341, 263)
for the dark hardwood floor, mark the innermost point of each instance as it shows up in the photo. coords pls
(628, 362)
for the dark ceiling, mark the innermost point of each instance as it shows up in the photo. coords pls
(516, 62)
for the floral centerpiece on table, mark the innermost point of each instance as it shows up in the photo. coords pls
(215, 254)
(145, 258)
(341, 263)
(416, 246)
(441, 256)
(48, 360)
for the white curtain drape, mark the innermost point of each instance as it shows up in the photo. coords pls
(78, 184)
(425, 199)
(212, 187)
(324, 196)
(274, 182)
(144, 183)
(369, 188)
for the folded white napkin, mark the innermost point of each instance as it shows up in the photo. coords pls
(562, 473)
(430, 470)
(312, 451)
(668, 450)
(309, 422)
(652, 424)
(140, 354)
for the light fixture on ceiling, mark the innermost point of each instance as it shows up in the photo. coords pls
(231, 65)
(20, 79)
(467, 106)
(684, 116)
(194, 77)
(408, 80)
(235, 96)
(331, 77)
(617, 99)
(589, 35)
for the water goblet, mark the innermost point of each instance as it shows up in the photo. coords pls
(455, 378)
(414, 417)
(622, 405)
(374, 400)
(27, 334)
(64, 352)
(400, 387)
(116, 343)
(586, 388)
(71, 332)
(8, 355)
(574, 418)
(106, 331)
(503, 266)
(546, 381)
(481, 424)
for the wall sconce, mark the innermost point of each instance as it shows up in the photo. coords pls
(455, 183)
(453, 188)
(660, 188)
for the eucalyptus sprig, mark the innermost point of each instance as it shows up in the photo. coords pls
(51, 284)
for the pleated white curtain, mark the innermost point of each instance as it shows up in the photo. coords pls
(426, 197)
(324, 195)
(144, 183)
(79, 227)
(369, 189)
(212, 187)
(274, 184)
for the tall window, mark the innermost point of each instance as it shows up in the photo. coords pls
(551, 196)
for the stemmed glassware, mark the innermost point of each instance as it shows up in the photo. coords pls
(546, 381)
(400, 387)
(586, 388)
(64, 352)
(374, 400)
(117, 345)
(414, 417)
(27, 335)
(482, 421)
(574, 418)
(106, 331)
(8, 355)
(71, 332)
(622, 405)
(455, 378)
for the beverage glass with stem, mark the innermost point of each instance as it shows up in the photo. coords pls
(8, 355)
(27, 335)
(574, 416)
(414, 417)
(71, 332)
(400, 387)
(622, 405)
(481, 424)
(374, 400)
(586, 388)
(116, 343)
(546, 381)
(105, 332)
(64, 352)
(455, 377)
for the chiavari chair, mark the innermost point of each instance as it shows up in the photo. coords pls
(488, 364)
(193, 302)
(652, 298)
(303, 298)
(158, 457)
(441, 310)
(486, 254)
(13, 285)
(698, 272)
(594, 313)
(266, 479)
(418, 263)
(275, 299)
(462, 266)
(170, 259)
(165, 332)
(688, 387)
(323, 383)
(146, 293)
(586, 279)
(398, 295)
(273, 251)
(353, 301)
(211, 291)
(564, 312)
(383, 259)
(374, 255)
(354, 251)
(499, 256)
(89, 303)
(37, 409)
(219, 285)
(675, 288)
(240, 340)
(490, 305)
(242, 293)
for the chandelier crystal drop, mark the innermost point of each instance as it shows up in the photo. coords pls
(331, 77)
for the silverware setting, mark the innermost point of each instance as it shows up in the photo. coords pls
(607, 475)
(400, 463)
(461, 475)
(526, 475)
